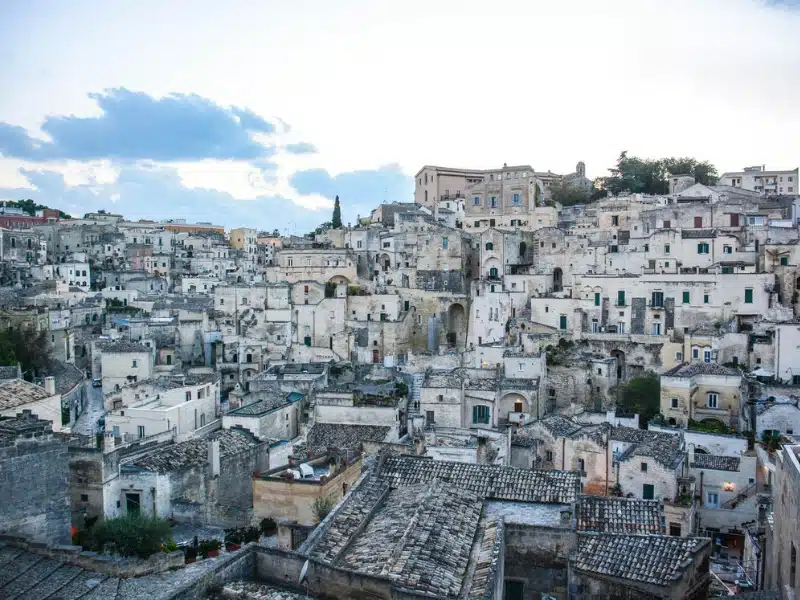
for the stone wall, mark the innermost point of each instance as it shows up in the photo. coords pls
(34, 488)
(537, 558)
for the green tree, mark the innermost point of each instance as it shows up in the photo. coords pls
(30, 207)
(568, 195)
(642, 396)
(131, 535)
(336, 221)
(650, 176)
(29, 347)
(322, 506)
(702, 171)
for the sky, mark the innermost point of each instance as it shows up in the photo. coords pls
(258, 113)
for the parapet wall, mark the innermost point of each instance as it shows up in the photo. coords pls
(100, 563)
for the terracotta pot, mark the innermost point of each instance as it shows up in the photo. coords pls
(213, 553)
(233, 547)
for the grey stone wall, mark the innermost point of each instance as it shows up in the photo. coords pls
(34, 489)
(638, 313)
(537, 557)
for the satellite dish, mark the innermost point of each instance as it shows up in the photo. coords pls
(303, 572)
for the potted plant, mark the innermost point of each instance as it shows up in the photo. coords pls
(268, 526)
(233, 540)
(251, 534)
(210, 548)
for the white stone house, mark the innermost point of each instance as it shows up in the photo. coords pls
(123, 363)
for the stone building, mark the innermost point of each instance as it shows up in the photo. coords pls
(34, 486)
(783, 530)
(703, 392)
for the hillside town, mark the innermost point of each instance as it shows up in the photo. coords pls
(481, 393)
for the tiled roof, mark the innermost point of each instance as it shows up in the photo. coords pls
(349, 518)
(487, 481)
(664, 447)
(421, 538)
(606, 514)
(122, 346)
(488, 559)
(700, 368)
(560, 426)
(716, 462)
(192, 453)
(18, 392)
(261, 406)
(653, 560)
(336, 435)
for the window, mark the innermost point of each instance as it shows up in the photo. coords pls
(562, 322)
(492, 201)
(666, 248)
(748, 295)
(647, 247)
(620, 298)
(687, 297)
(674, 403)
(477, 224)
(595, 326)
(675, 529)
(597, 298)
(657, 299)
(614, 220)
(755, 220)
(727, 250)
(712, 400)
(444, 243)
(429, 417)
(648, 491)
(695, 352)
(644, 467)
(476, 201)
(134, 363)
(480, 414)
(581, 466)
(140, 431)
(84, 497)
(188, 396)
(203, 420)
(548, 455)
(386, 244)
(784, 261)
(702, 248)
(679, 356)
(706, 298)
(489, 246)
(706, 355)
(712, 500)
(520, 367)
(698, 222)
(656, 328)
(515, 199)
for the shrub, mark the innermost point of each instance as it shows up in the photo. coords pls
(322, 506)
(208, 546)
(268, 526)
(130, 535)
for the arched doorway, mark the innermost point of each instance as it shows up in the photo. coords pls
(456, 325)
(558, 283)
(385, 262)
(513, 402)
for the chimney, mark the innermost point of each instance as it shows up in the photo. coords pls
(213, 457)
(50, 385)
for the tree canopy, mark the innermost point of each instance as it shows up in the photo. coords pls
(30, 207)
(642, 396)
(28, 347)
(568, 195)
(336, 221)
(651, 176)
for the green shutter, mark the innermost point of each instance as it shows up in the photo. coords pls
(705, 298)
(563, 321)
(686, 297)
(474, 414)
(748, 296)
(597, 299)
(784, 260)
(620, 298)
(666, 248)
